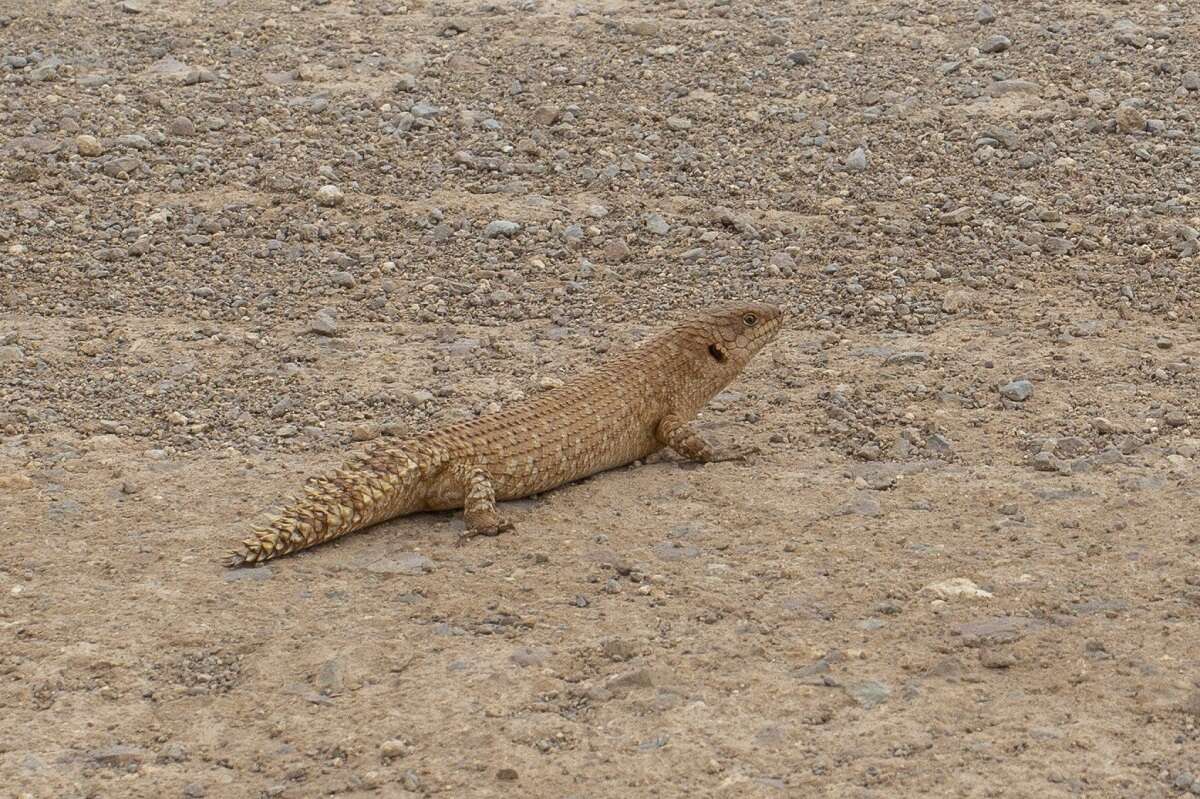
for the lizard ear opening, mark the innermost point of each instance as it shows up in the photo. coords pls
(717, 353)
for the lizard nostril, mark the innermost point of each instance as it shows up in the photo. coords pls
(717, 353)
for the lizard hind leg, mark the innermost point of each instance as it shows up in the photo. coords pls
(479, 507)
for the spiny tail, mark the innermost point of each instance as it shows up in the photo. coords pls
(364, 492)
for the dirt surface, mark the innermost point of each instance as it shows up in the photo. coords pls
(238, 237)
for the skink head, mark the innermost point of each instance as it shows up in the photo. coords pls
(719, 342)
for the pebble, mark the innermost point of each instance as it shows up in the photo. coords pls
(323, 324)
(985, 15)
(88, 146)
(996, 658)
(181, 126)
(331, 679)
(11, 354)
(330, 196)
(342, 279)
(501, 227)
(616, 250)
(657, 225)
(996, 44)
(394, 748)
(547, 115)
(957, 587)
(1191, 81)
(857, 160)
(364, 432)
(1017, 390)
(679, 123)
(869, 693)
(1130, 119)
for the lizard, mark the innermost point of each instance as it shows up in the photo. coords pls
(631, 406)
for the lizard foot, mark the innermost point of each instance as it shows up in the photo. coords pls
(493, 529)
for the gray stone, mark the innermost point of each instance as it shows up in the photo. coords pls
(985, 15)
(331, 679)
(657, 225)
(857, 160)
(323, 324)
(1017, 390)
(501, 227)
(996, 44)
(869, 693)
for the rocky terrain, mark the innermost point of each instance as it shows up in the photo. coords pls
(238, 238)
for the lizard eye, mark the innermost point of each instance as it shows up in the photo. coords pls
(750, 320)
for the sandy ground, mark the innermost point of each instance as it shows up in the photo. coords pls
(240, 237)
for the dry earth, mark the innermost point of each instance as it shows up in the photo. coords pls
(239, 236)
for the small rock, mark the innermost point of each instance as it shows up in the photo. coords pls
(1130, 119)
(88, 146)
(11, 354)
(994, 658)
(679, 123)
(800, 58)
(996, 44)
(181, 126)
(330, 196)
(342, 279)
(1045, 462)
(323, 324)
(394, 748)
(956, 587)
(507, 775)
(1191, 81)
(985, 15)
(1017, 390)
(501, 227)
(869, 693)
(857, 160)
(331, 679)
(364, 432)
(547, 115)
(616, 250)
(657, 225)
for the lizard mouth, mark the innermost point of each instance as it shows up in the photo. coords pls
(718, 353)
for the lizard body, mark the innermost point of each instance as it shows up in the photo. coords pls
(633, 405)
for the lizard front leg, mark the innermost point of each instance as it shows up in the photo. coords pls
(677, 434)
(479, 507)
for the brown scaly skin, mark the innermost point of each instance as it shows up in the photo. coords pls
(637, 403)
